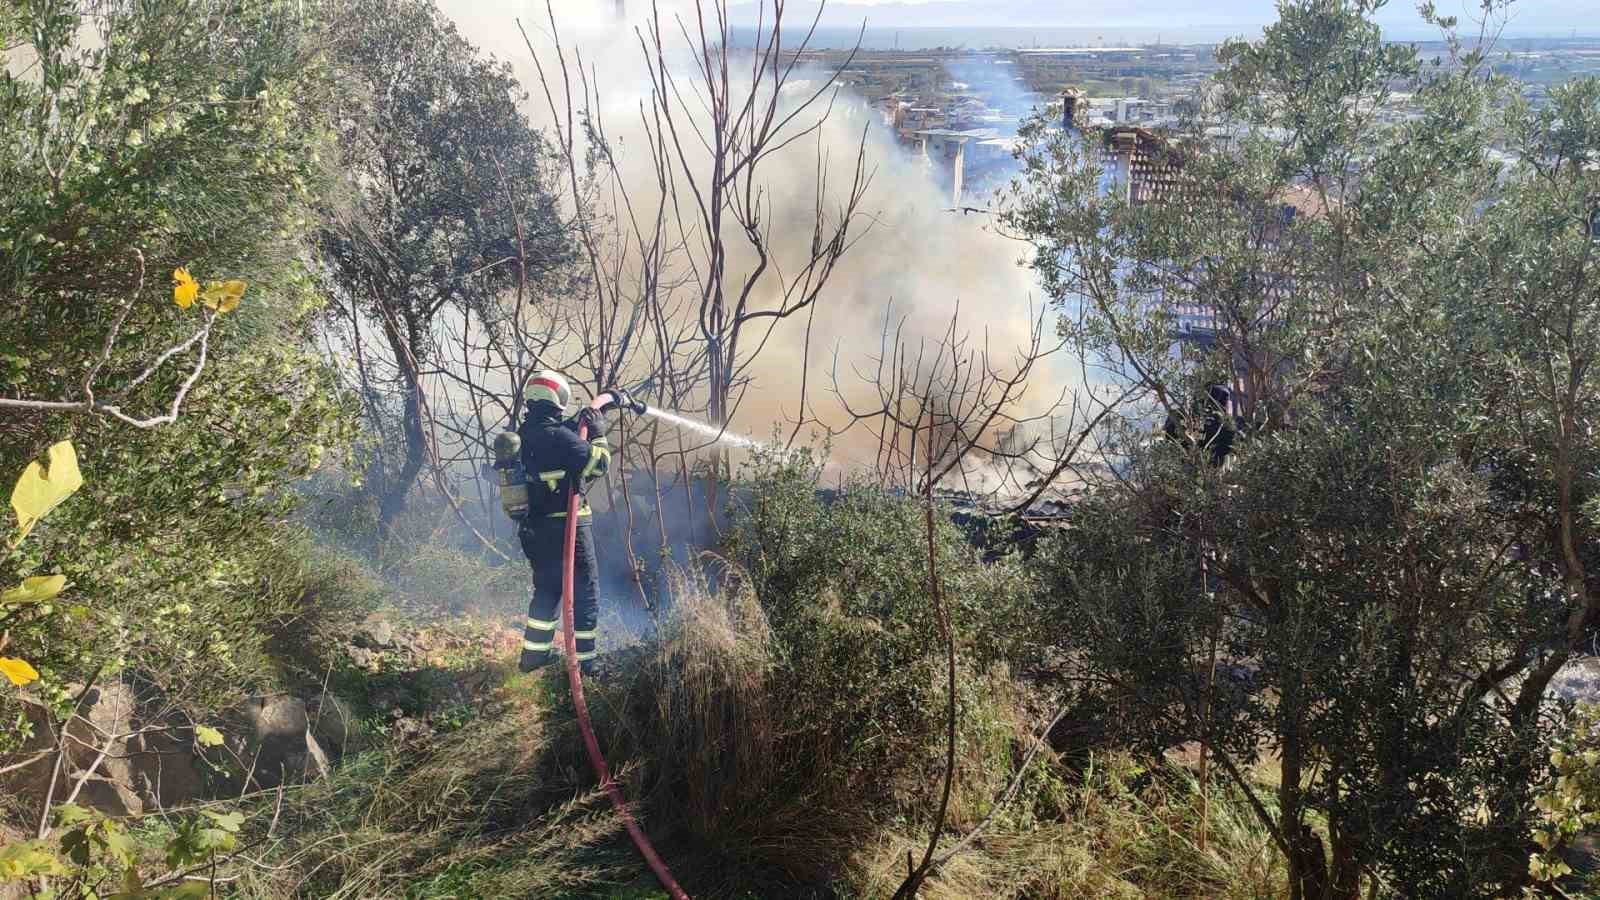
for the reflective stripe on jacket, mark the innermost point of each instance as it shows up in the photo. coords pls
(555, 458)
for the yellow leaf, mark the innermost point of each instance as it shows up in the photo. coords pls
(184, 287)
(35, 589)
(232, 293)
(17, 670)
(207, 736)
(222, 296)
(36, 492)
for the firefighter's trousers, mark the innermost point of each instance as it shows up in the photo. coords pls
(542, 541)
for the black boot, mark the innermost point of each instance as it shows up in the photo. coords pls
(533, 660)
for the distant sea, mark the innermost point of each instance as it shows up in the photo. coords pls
(1083, 36)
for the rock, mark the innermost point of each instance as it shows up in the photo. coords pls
(1579, 680)
(154, 763)
(406, 729)
(333, 724)
(374, 632)
(317, 765)
(165, 768)
(276, 716)
(281, 749)
(153, 767)
(108, 710)
(362, 658)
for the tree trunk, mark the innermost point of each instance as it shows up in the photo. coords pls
(405, 358)
(1344, 870)
(1307, 862)
(1510, 814)
(394, 498)
(718, 407)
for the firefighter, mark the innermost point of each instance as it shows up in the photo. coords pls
(556, 460)
(1221, 427)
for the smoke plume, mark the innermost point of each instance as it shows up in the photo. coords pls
(916, 258)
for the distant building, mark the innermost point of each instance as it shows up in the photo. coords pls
(1144, 166)
(947, 150)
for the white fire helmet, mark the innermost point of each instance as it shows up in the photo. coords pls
(550, 387)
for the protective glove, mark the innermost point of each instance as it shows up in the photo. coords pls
(592, 419)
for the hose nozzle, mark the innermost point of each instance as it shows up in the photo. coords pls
(621, 398)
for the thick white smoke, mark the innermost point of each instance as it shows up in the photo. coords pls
(917, 258)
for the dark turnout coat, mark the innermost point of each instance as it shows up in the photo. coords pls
(556, 459)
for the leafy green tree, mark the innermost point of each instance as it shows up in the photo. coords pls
(148, 137)
(1392, 564)
(446, 203)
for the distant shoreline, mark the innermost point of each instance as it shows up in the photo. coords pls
(1020, 37)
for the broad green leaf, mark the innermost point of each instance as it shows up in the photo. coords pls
(189, 890)
(18, 671)
(207, 736)
(113, 838)
(35, 589)
(38, 491)
(228, 822)
(75, 844)
(68, 814)
(213, 840)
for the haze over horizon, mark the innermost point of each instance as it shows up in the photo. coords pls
(1544, 17)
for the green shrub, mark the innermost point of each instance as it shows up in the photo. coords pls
(172, 139)
(845, 586)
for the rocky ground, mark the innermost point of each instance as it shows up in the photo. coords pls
(384, 679)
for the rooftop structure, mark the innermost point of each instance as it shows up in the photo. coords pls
(1144, 166)
(1079, 51)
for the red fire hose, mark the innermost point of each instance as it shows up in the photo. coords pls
(569, 640)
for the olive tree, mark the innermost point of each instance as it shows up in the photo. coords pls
(1382, 575)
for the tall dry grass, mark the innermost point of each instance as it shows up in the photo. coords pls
(1115, 830)
(748, 791)
(473, 813)
(731, 760)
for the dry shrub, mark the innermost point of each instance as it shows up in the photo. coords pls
(732, 759)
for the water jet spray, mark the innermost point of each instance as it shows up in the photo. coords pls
(711, 431)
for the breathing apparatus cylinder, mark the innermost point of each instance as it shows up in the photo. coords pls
(513, 480)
